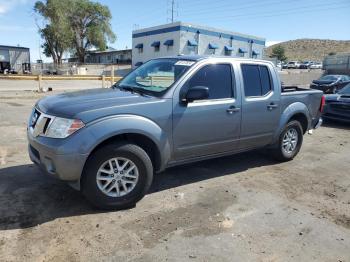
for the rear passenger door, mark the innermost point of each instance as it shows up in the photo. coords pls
(260, 106)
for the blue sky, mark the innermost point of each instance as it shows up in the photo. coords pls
(275, 20)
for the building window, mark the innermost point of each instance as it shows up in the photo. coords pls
(228, 50)
(213, 47)
(156, 45)
(255, 54)
(139, 47)
(241, 52)
(169, 44)
(192, 45)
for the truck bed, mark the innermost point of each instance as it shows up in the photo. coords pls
(309, 97)
(286, 89)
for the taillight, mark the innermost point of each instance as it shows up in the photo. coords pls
(323, 102)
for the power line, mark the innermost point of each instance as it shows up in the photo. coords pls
(227, 8)
(222, 6)
(284, 13)
(255, 14)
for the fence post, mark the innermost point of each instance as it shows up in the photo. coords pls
(112, 75)
(103, 81)
(39, 83)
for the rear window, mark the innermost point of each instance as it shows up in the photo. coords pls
(257, 80)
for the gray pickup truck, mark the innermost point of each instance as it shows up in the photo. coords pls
(167, 112)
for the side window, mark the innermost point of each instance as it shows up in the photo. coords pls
(251, 80)
(257, 81)
(217, 77)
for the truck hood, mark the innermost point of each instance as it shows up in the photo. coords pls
(71, 104)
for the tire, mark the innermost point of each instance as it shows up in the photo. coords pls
(278, 151)
(98, 172)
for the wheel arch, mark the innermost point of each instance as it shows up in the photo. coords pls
(302, 119)
(141, 140)
(295, 111)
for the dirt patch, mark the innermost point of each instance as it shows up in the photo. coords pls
(204, 218)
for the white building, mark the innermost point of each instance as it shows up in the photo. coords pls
(184, 38)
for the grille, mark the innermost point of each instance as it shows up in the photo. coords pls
(34, 118)
(39, 123)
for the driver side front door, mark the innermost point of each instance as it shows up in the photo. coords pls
(209, 126)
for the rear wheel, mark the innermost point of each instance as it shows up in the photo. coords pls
(117, 176)
(289, 142)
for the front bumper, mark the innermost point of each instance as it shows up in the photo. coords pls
(49, 157)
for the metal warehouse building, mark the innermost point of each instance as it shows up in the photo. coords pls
(109, 56)
(184, 38)
(14, 58)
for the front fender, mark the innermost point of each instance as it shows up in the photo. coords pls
(93, 134)
(108, 127)
(288, 113)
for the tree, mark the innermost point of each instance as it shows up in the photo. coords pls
(90, 23)
(279, 52)
(56, 30)
(73, 25)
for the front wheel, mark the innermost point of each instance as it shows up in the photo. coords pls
(117, 176)
(289, 142)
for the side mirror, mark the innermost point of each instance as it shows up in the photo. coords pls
(195, 93)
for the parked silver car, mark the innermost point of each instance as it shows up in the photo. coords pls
(293, 65)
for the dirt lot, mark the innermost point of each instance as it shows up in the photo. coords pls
(239, 208)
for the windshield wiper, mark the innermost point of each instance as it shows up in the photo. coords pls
(133, 89)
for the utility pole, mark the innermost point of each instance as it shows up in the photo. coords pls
(172, 8)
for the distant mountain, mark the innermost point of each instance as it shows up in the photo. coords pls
(311, 49)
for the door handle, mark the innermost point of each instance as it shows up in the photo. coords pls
(272, 106)
(232, 109)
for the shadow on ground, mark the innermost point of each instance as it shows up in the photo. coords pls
(29, 198)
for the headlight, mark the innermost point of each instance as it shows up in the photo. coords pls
(63, 127)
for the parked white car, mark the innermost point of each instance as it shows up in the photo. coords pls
(293, 65)
(316, 66)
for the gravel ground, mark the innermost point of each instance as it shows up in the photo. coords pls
(245, 207)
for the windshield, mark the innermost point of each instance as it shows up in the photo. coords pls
(329, 77)
(345, 90)
(155, 76)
